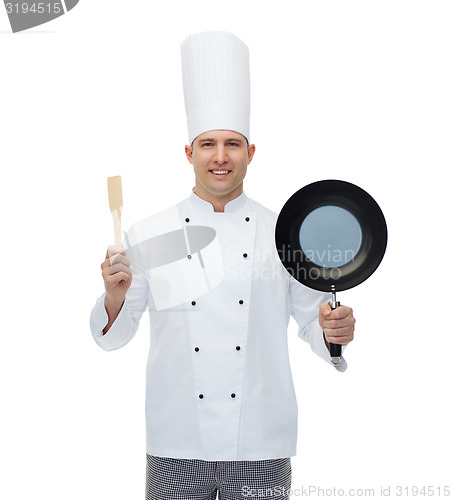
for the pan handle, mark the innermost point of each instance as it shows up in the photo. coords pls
(335, 349)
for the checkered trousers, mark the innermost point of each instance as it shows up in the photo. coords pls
(190, 479)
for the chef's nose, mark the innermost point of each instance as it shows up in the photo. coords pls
(221, 154)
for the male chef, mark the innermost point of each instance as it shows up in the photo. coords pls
(221, 413)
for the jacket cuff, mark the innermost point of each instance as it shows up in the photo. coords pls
(115, 337)
(320, 348)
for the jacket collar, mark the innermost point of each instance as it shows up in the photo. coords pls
(232, 206)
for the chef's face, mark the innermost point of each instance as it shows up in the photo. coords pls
(220, 159)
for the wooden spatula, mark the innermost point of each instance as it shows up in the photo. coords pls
(115, 199)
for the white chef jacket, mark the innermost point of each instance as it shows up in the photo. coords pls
(219, 384)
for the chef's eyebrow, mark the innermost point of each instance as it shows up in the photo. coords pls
(231, 139)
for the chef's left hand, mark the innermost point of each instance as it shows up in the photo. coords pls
(338, 325)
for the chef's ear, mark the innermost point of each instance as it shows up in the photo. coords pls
(251, 151)
(189, 153)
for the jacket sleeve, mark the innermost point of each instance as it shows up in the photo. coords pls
(126, 324)
(305, 304)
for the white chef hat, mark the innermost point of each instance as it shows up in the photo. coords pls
(216, 79)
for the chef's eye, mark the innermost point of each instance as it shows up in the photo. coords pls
(233, 144)
(206, 144)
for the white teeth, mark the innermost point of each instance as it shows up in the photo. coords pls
(220, 171)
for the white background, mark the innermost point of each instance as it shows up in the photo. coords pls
(355, 90)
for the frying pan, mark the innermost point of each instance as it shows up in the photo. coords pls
(331, 236)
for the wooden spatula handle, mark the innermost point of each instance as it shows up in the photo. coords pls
(117, 223)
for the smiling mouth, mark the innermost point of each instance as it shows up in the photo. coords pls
(219, 172)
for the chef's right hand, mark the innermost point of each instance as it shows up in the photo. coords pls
(117, 275)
